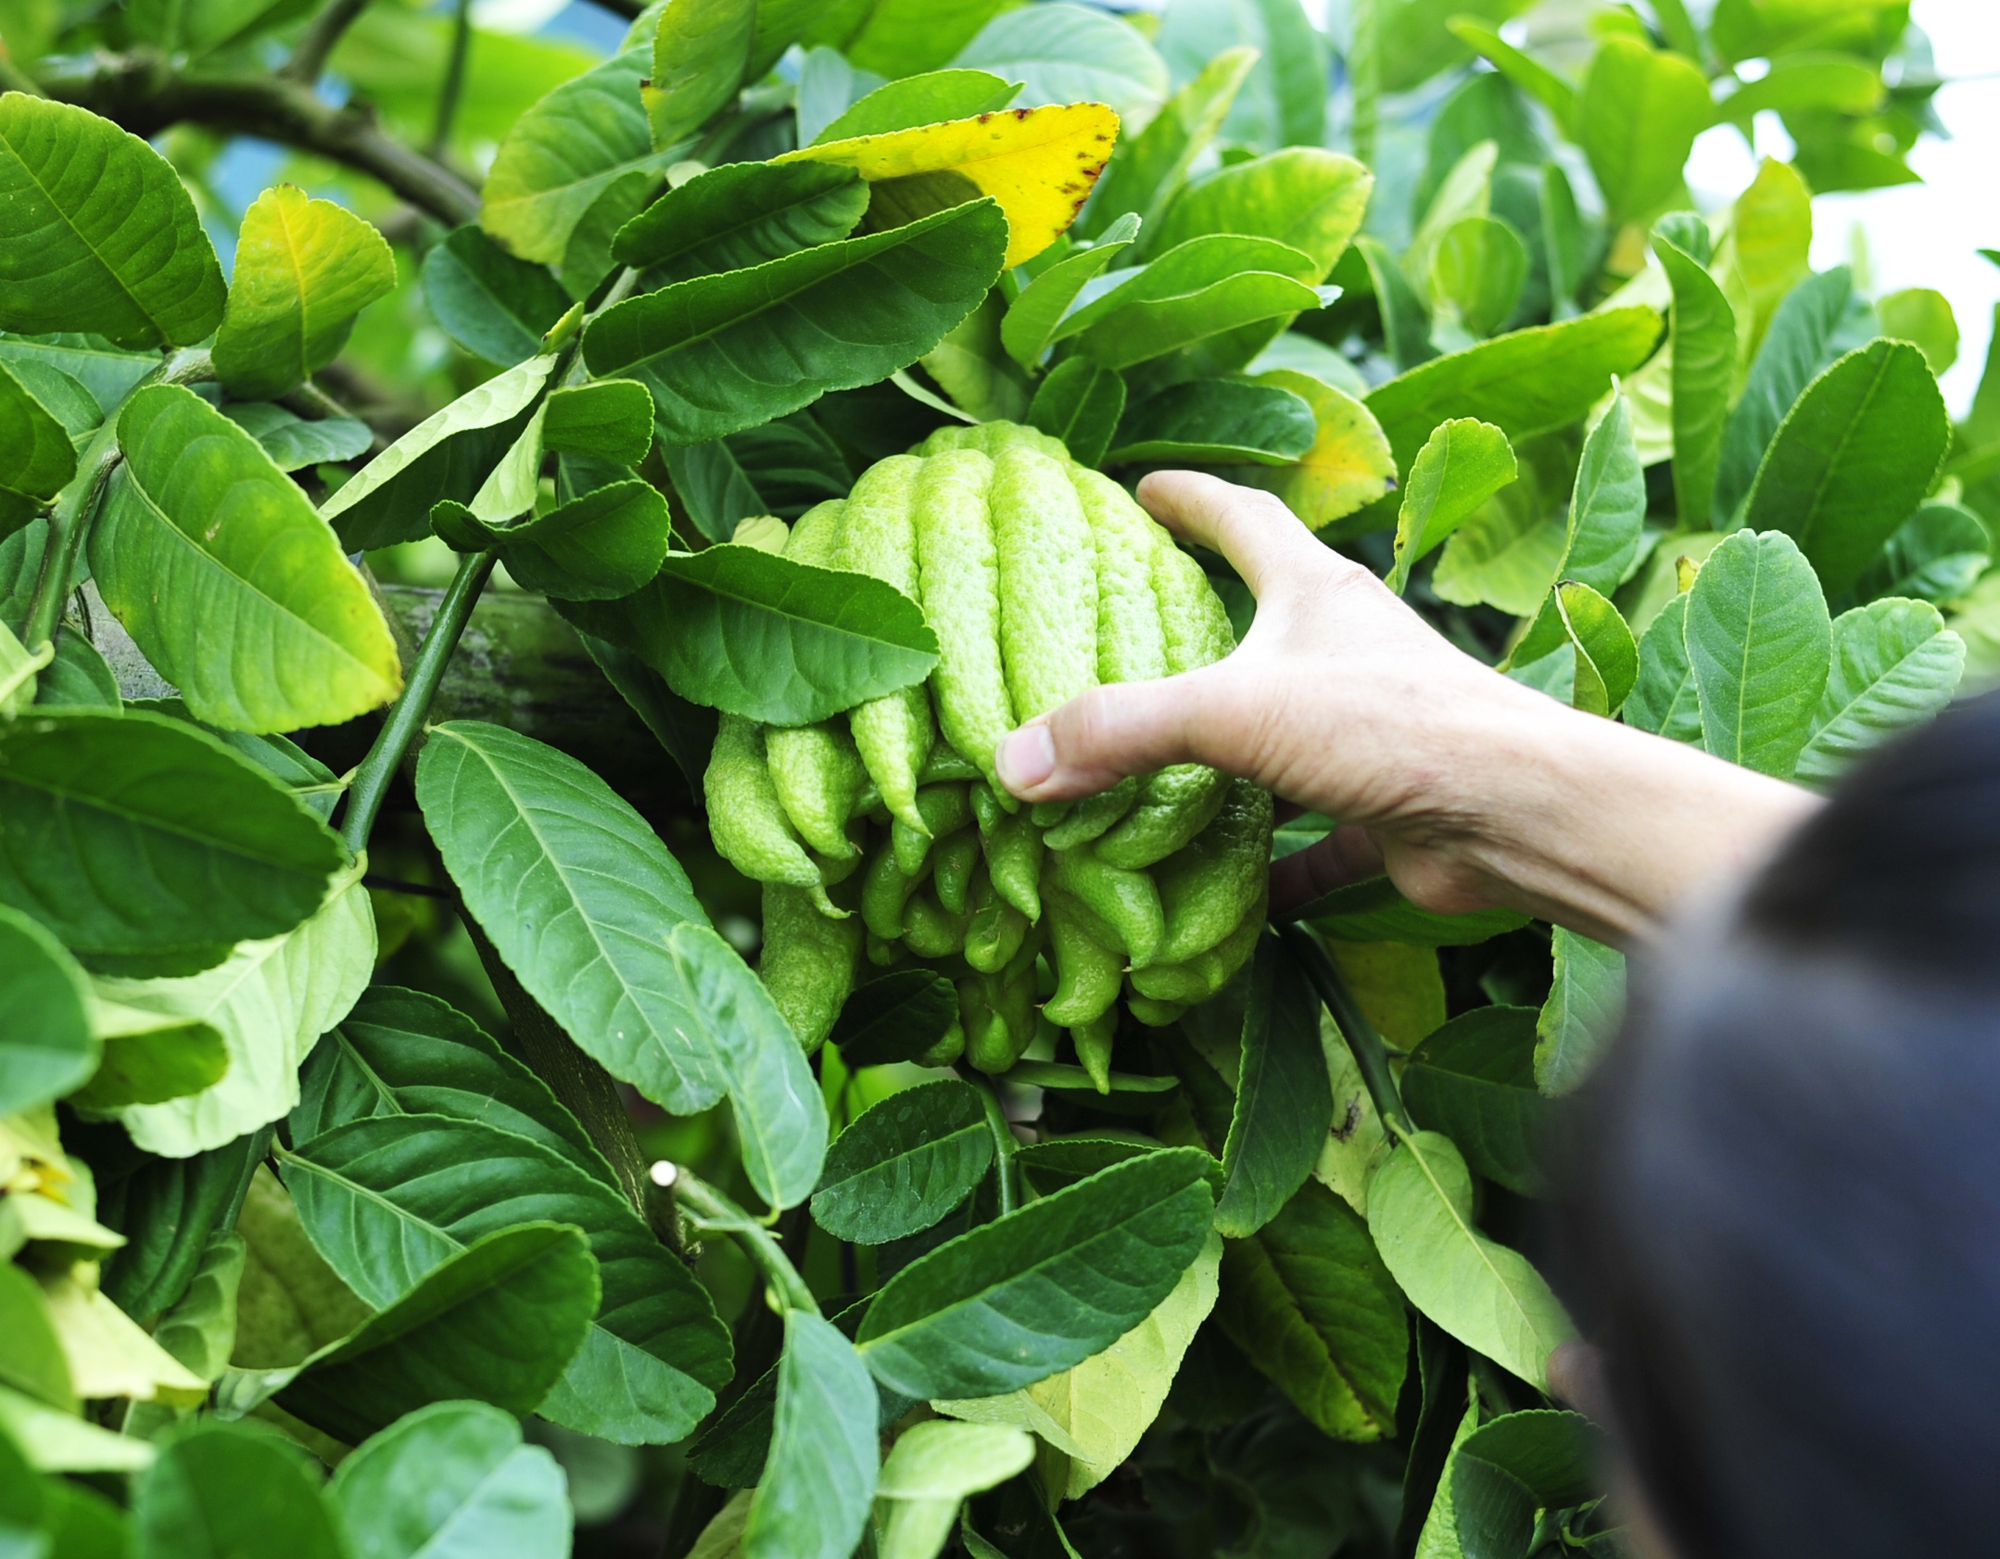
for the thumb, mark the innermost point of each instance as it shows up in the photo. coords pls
(1099, 737)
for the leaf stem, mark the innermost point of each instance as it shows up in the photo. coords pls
(76, 508)
(1369, 1053)
(406, 718)
(1004, 1145)
(454, 79)
(714, 1212)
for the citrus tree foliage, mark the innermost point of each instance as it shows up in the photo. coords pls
(397, 1134)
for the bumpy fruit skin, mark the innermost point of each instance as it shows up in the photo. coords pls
(808, 961)
(1040, 580)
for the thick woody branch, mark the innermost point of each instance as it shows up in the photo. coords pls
(141, 93)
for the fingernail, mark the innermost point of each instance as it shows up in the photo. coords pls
(1026, 758)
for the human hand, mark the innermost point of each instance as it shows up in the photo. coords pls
(1469, 789)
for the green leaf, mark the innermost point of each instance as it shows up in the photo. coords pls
(387, 1200)
(1507, 555)
(239, 1490)
(1284, 1102)
(46, 1047)
(1607, 508)
(1487, 1296)
(1033, 317)
(1895, 665)
(1310, 1302)
(200, 1330)
(722, 353)
(304, 269)
(742, 214)
(168, 1205)
(931, 98)
(1081, 403)
(1163, 310)
(827, 84)
(934, 1466)
(1305, 197)
(1477, 272)
(902, 37)
(138, 835)
(452, 1481)
(1148, 171)
(31, 1356)
(1375, 911)
(1639, 114)
(1758, 641)
(496, 1322)
(597, 919)
(403, 1052)
(1215, 421)
(1505, 1473)
(150, 1058)
(269, 1000)
(812, 1501)
(1064, 53)
(1524, 383)
(101, 235)
(602, 546)
(1852, 459)
(493, 305)
(1795, 351)
(106, 372)
(1847, 86)
(36, 457)
(607, 419)
(565, 152)
(1704, 347)
(904, 1164)
(1283, 103)
(1046, 1286)
(746, 631)
(1922, 316)
(1607, 659)
(1404, 317)
(1580, 1017)
(1462, 464)
(216, 564)
(1552, 91)
(701, 49)
(445, 458)
(1663, 699)
(292, 442)
(896, 1017)
(1937, 554)
(1474, 1082)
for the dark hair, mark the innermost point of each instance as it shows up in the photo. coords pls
(1783, 1225)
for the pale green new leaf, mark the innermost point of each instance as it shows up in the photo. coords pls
(1607, 508)
(1045, 1287)
(1284, 101)
(452, 1481)
(1308, 1300)
(1853, 458)
(140, 836)
(1148, 171)
(1704, 348)
(149, 1057)
(1639, 114)
(100, 235)
(812, 1501)
(1462, 464)
(1580, 1017)
(903, 37)
(1487, 1296)
(1305, 197)
(270, 1000)
(931, 98)
(1758, 643)
(1032, 318)
(934, 1466)
(218, 567)
(1477, 272)
(599, 922)
(387, 1200)
(46, 1047)
(727, 352)
(1065, 53)
(1895, 665)
(565, 152)
(304, 269)
(701, 49)
(904, 1163)
(447, 456)
(1103, 1405)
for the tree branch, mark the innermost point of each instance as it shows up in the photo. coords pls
(310, 57)
(141, 93)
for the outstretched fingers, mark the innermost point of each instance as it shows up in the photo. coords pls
(1099, 737)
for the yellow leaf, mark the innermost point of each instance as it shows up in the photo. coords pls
(1349, 465)
(109, 1356)
(1038, 163)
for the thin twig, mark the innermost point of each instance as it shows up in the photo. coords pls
(454, 78)
(322, 37)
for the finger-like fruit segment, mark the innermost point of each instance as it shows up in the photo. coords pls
(1205, 973)
(1093, 815)
(952, 868)
(819, 778)
(1048, 582)
(884, 892)
(877, 535)
(808, 961)
(1088, 973)
(929, 930)
(1174, 805)
(1207, 888)
(1154, 1014)
(748, 823)
(1192, 619)
(1131, 641)
(1126, 904)
(959, 577)
(1013, 848)
(1093, 1041)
